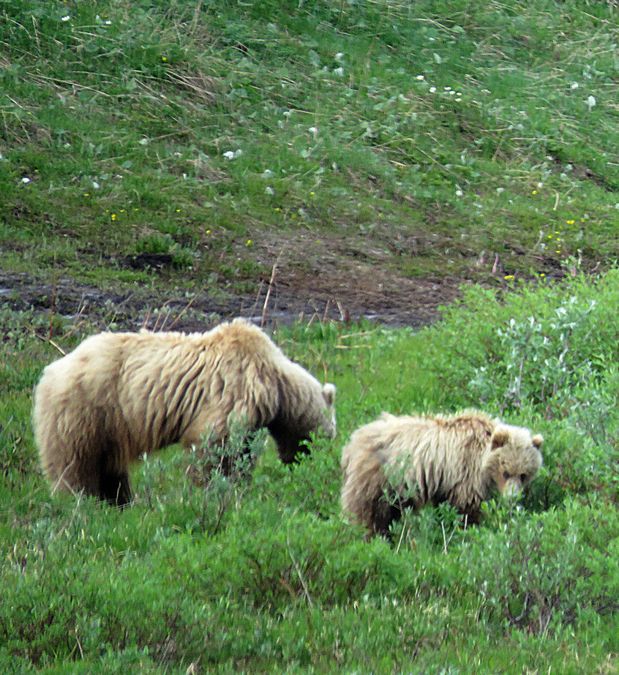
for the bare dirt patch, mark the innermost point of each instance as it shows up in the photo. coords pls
(345, 280)
(313, 279)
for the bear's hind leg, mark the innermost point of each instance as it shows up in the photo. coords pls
(383, 514)
(115, 488)
(77, 476)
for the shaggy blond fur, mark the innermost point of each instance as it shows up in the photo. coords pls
(395, 462)
(120, 395)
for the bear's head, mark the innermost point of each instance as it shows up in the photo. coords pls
(514, 459)
(291, 432)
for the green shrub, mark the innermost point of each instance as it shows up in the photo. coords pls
(543, 573)
(545, 357)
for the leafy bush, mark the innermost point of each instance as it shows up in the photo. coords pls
(545, 572)
(547, 356)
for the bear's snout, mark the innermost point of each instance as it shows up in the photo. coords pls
(512, 488)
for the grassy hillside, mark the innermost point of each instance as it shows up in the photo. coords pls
(193, 143)
(263, 574)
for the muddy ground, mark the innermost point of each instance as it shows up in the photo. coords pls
(291, 276)
(344, 293)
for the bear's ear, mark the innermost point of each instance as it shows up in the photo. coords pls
(499, 438)
(328, 392)
(537, 440)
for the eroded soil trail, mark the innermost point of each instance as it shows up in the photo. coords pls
(345, 294)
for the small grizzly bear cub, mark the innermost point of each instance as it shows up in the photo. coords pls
(397, 462)
(120, 395)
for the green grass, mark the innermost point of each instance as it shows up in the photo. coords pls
(264, 574)
(121, 116)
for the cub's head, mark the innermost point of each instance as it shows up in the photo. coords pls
(290, 431)
(514, 459)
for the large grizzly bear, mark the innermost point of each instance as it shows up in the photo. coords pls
(120, 395)
(397, 462)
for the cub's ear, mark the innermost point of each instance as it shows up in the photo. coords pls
(499, 438)
(537, 440)
(328, 392)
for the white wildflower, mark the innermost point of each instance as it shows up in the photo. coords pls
(25, 180)
(338, 71)
(591, 102)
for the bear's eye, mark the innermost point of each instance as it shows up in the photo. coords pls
(506, 475)
(523, 477)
